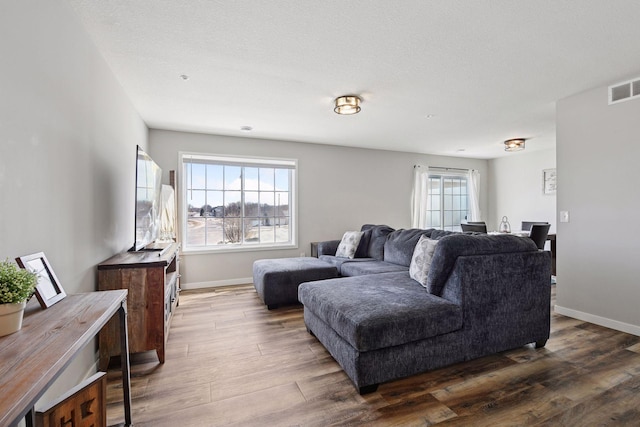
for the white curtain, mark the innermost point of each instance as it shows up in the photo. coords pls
(420, 200)
(473, 183)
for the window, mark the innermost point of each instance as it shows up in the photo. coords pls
(448, 201)
(237, 203)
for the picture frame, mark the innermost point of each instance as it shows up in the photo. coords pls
(48, 289)
(549, 181)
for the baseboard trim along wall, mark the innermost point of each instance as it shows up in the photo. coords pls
(216, 283)
(602, 321)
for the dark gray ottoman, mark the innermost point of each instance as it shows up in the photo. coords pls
(277, 280)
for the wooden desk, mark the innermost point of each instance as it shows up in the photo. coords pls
(32, 358)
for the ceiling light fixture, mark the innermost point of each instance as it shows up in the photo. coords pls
(515, 144)
(347, 104)
(246, 128)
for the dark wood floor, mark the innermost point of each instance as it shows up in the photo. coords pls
(231, 362)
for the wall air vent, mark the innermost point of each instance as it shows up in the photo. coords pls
(624, 91)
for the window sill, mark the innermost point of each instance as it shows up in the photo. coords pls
(236, 249)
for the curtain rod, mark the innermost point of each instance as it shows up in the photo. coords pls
(443, 168)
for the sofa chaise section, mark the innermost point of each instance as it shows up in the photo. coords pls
(484, 294)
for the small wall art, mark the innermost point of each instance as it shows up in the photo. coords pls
(549, 181)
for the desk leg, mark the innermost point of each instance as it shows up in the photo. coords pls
(124, 362)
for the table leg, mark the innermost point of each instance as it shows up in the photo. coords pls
(30, 418)
(124, 362)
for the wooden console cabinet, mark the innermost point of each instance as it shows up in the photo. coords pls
(153, 281)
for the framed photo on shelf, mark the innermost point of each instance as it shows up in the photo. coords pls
(48, 289)
(549, 181)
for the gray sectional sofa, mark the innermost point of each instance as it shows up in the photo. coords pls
(484, 294)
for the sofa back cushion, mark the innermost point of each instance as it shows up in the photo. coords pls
(400, 244)
(363, 247)
(450, 247)
(372, 241)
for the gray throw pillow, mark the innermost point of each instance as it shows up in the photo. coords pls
(349, 244)
(421, 259)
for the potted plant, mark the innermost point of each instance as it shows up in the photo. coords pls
(16, 287)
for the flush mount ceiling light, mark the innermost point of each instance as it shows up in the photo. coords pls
(516, 144)
(348, 104)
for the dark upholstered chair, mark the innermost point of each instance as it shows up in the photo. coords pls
(539, 234)
(479, 228)
(526, 225)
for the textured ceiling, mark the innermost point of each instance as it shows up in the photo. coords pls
(487, 70)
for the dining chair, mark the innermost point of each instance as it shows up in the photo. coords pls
(526, 225)
(478, 228)
(539, 234)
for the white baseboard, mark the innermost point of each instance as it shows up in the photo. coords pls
(216, 283)
(598, 320)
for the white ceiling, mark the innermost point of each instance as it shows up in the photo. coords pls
(487, 70)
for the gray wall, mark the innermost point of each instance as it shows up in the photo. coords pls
(598, 250)
(67, 150)
(515, 189)
(339, 189)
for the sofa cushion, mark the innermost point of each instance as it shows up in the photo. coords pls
(349, 244)
(338, 262)
(400, 244)
(378, 237)
(452, 246)
(385, 310)
(369, 267)
(421, 259)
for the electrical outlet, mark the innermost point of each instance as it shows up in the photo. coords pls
(564, 216)
(302, 255)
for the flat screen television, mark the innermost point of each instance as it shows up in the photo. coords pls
(148, 202)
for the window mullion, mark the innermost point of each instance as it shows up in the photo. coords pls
(442, 226)
(242, 221)
(206, 202)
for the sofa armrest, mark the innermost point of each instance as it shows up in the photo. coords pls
(328, 247)
(505, 299)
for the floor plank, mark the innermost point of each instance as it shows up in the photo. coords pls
(232, 362)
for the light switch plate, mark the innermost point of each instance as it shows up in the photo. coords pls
(564, 216)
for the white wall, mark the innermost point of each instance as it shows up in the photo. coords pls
(339, 189)
(515, 189)
(67, 150)
(598, 250)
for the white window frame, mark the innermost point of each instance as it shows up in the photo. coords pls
(242, 161)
